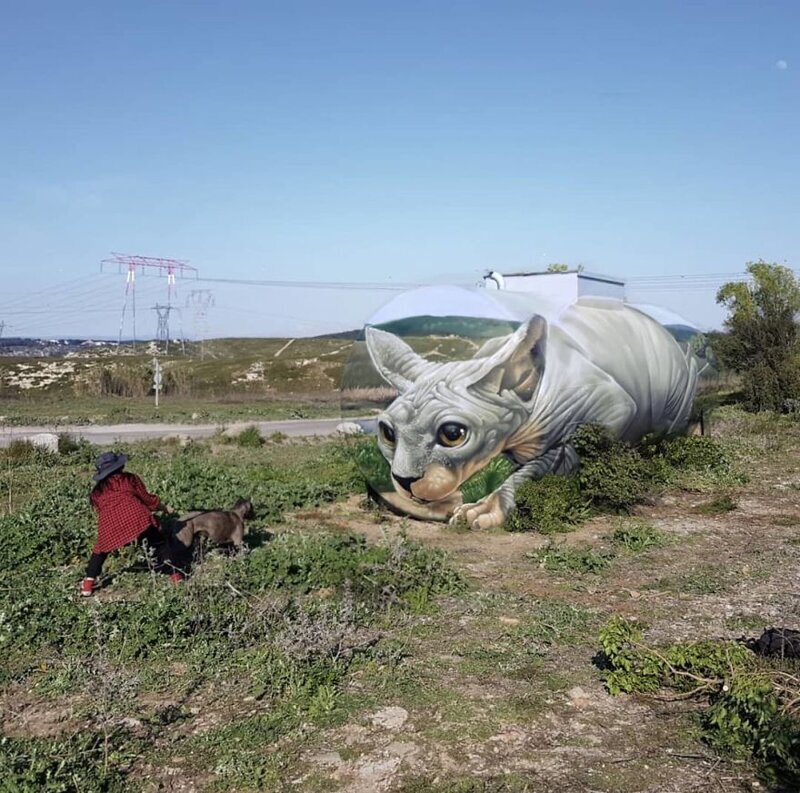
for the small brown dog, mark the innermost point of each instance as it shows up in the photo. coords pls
(220, 526)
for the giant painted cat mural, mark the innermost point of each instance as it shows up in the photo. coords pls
(524, 395)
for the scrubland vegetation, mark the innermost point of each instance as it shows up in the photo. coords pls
(280, 665)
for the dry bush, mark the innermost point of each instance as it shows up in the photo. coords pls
(126, 379)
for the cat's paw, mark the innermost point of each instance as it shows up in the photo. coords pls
(488, 513)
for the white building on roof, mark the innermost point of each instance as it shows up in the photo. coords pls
(561, 288)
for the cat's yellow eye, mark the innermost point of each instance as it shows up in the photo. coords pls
(387, 433)
(451, 434)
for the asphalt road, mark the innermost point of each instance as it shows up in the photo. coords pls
(104, 435)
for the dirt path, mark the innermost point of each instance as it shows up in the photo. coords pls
(111, 433)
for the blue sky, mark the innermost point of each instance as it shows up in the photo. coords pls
(389, 141)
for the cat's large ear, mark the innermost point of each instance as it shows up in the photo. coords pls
(395, 361)
(518, 364)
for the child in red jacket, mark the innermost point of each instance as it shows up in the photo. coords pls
(124, 515)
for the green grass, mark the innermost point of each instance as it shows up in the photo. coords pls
(561, 558)
(717, 506)
(235, 680)
(46, 410)
(635, 535)
(287, 625)
(705, 580)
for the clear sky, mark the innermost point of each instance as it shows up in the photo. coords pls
(390, 142)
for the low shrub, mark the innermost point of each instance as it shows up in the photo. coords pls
(717, 506)
(752, 707)
(192, 481)
(304, 563)
(698, 452)
(549, 505)
(249, 438)
(613, 475)
(21, 453)
(53, 529)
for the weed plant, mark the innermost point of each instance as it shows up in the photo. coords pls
(249, 438)
(635, 535)
(84, 761)
(563, 558)
(717, 506)
(751, 705)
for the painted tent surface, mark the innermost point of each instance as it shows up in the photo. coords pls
(460, 376)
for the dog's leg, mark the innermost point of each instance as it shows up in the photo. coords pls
(493, 510)
(237, 538)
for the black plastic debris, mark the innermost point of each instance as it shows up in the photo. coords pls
(776, 642)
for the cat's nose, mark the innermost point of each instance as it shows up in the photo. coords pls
(406, 481)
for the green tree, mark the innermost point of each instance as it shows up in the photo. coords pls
(561, 267)
(762, 342)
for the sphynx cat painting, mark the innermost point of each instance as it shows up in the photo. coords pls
(600, 361)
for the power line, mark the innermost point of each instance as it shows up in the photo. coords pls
(692, 278)
(314, 284)
(65, 303)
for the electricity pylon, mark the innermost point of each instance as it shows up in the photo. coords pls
(200, 300)
(144, 265)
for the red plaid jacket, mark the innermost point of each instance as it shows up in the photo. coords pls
(124, 510)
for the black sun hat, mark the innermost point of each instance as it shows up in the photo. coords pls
(107, 463)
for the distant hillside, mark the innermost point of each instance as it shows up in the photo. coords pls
(480, 328)
(463, 327)
(349, 335)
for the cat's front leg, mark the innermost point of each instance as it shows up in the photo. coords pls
(488, 513)
(493, 510)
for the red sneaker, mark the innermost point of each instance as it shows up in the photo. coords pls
(176, 578)
(87, 587)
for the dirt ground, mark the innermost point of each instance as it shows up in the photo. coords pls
(550, 722)
(548, 719)
(499, 687)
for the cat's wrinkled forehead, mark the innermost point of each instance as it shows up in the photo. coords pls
(446, 388)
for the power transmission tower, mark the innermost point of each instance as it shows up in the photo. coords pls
(147, 265)
(201, 301)
(162, 333)
(2, 327)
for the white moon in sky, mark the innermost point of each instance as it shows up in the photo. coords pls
(782, 65)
